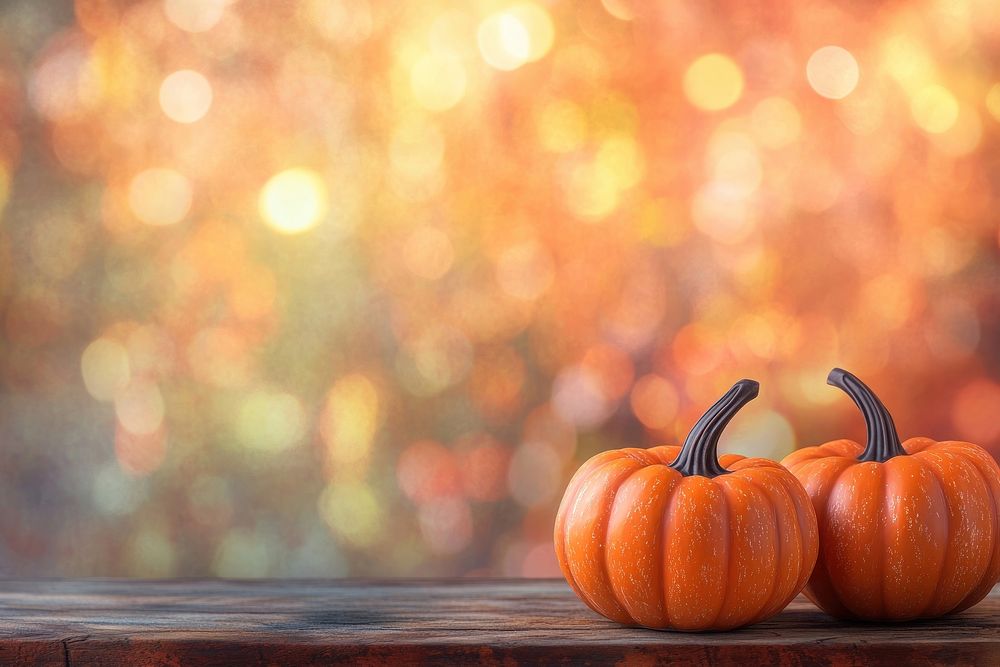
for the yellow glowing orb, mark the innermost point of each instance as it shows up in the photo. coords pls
(521, 34)
(832, 72)
(106, 369)
(185, 96)
(293, 200)
(195, 15)
(776, 122)
(160, 196)
(713, 82)
(934, 109)
(437, 81)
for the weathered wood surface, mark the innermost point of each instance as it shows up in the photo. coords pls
(458, 621)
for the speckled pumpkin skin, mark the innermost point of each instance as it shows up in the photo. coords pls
(911, 537)
(645, 545)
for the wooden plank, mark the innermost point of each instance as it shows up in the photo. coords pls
(80, 622)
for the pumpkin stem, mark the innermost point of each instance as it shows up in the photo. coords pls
(883, 441)
(699, 455)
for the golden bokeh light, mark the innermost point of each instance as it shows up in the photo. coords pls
(293, 201)
(105, 368)
(270, 421)
(160, 196)
(515, 36)
(713, 82)
(195, 15)
(350, 419)
(934, 109)
(833, 72)
(776, 122)
(438, 81)
(185, 96)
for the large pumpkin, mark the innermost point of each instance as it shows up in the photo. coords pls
(907, 530)
(673, 537)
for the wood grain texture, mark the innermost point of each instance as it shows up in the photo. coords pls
(89, 622)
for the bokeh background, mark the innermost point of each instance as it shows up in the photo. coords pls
(337, 287)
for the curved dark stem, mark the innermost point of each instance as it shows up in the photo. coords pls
(883, 441)
(699, 455)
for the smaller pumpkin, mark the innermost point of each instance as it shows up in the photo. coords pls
(674, 537)
(907, 530)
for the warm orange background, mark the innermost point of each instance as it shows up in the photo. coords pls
(333, 287)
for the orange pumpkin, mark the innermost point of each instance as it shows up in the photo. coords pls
(673, 537)
(907, 530)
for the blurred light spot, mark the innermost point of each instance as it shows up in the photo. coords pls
(535, 474)
(352, 511)
(832, 72)
(160, 196)
(483, 470)
(270, 421)
(428, 253)
(562, 126)
(906, 59)
(620, 9)
(713, 82)
(115, 493)
(140, 454)
(520, 34)
(934, 109)
(105, 368)
(185, 96)
(242, 555)
(195, 15)
(578, 397)
(655, 401)
(437, 81)
(525, 271)
(734, 163)
(776, 122)
(613, 368)
(963, 136)
(67, 83)
(591, 192)
(427, 470)
(350, 418)
(139, 407)
(446, 524)
(975, 411)
(293, 200)
(722, 211)
(765, 434)
(621, 159)
(993, 101)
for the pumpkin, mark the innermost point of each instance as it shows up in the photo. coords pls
(907, 530)
(675, 537)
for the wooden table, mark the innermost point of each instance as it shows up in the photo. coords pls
(79, 622)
